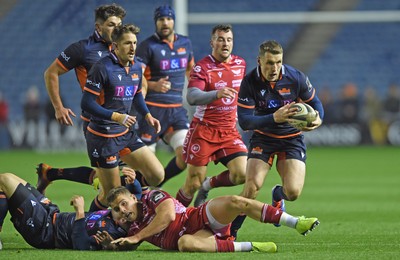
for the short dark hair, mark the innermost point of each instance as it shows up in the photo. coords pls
(115, 192)
(271, 46)
(122, 29)
(221, 27)
(103, 12)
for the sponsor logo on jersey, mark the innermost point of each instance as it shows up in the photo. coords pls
(95, 154)
(65, 57)
(238, 61)
(135, 77)
(262, 92)
(237, 72)
(197, 69)
(111, 159)
(33, 203)
(120, 77)
(124, 91)
(309, 85)
(173, 64)
(220, 84)
(157, 196)
(181, 51)
(163, 52)
(236, 83)
(219, 74)
(100, 53)
(91, 83)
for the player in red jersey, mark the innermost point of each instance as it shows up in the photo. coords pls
(213, 87)
(164, 222)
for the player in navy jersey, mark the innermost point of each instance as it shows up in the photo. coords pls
(43, 226)
(265, 96)
(164, 222)
(213, 137)
(168, 58)
(110, 135)
(80, 56)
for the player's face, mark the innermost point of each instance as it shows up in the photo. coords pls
(125, 48)
(270, 65)
(165, 27)
(124, 208)
(222, 45)
(105, 29)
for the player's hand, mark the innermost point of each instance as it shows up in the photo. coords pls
(62, 116)
(163, 85)
(123, 119)
(153, 122)
(283, 113)
(125, 241)
(315, 124)
(227, 93)
(79, 205)
(130, 174)
(104, 239)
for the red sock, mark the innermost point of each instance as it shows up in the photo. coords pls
(183, 198)
(221, 180)
(270, 214)
(225, 245)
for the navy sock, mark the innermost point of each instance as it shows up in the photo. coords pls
(171, 171)
(237, 224)
(279, 194)
(79, 174)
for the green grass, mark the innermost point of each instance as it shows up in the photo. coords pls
(353, 191)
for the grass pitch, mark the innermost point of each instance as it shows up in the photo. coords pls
(354, 191)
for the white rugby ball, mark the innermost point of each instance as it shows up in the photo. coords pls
(304, 117)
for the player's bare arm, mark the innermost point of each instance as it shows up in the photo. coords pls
(165, 214)
(51, 78)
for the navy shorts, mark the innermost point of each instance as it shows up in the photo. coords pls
(171, 119)
(266, 148)
(105, 152)
(33, 219)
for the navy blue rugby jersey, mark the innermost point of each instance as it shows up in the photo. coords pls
(266, 97)
(81, 56)
(164, 59)
(94, 221)
(120, 86)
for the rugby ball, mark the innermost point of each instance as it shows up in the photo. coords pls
(304, 117)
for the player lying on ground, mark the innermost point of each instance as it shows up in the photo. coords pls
(43, 226)
(163, 221)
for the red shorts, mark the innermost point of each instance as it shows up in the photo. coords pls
(204, 144)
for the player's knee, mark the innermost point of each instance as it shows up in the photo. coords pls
(250, 191)
(186, 243)
(292, 194)
(239, 177)
(237, 201)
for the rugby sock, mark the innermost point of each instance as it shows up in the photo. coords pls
(237, 224)
(171, 170)
(79, 174)
(3, 208)
(242, 246)
(279, 194)
(96, 205)
(270, 214)
(288, 220)
(183, 198)
(225, 245)
(221, 180)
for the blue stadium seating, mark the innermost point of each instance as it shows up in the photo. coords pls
(364, 53)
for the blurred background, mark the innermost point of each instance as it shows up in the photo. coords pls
(348, 48)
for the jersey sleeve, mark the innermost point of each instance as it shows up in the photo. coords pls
(198, 77)
(307, 91)
(97, 79)
(245, 98)
(71, 57)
